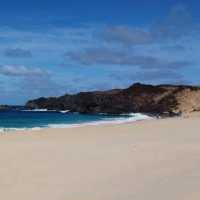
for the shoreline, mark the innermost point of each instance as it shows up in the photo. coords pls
(135, 118)
(95, 124)
(109, 124)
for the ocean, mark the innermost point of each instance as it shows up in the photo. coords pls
(11, 120)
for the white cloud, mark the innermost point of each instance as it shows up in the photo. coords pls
(12, 70)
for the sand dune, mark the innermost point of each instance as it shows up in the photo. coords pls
(158, 159)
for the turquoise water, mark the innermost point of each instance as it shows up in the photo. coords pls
(13, 119)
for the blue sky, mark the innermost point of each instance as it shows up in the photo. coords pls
(49, 48)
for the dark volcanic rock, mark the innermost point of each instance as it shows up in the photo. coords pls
(161, 100)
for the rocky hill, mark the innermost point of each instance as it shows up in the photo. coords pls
(160, 100)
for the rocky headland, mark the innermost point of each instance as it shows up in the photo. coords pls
(163, 100)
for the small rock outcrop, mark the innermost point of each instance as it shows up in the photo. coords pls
(159, 100)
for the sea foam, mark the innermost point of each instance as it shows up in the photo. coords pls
(133, 117)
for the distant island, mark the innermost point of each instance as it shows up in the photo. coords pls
(11, 107)
(163, 100)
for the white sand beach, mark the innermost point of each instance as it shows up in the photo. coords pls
(146, 160)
